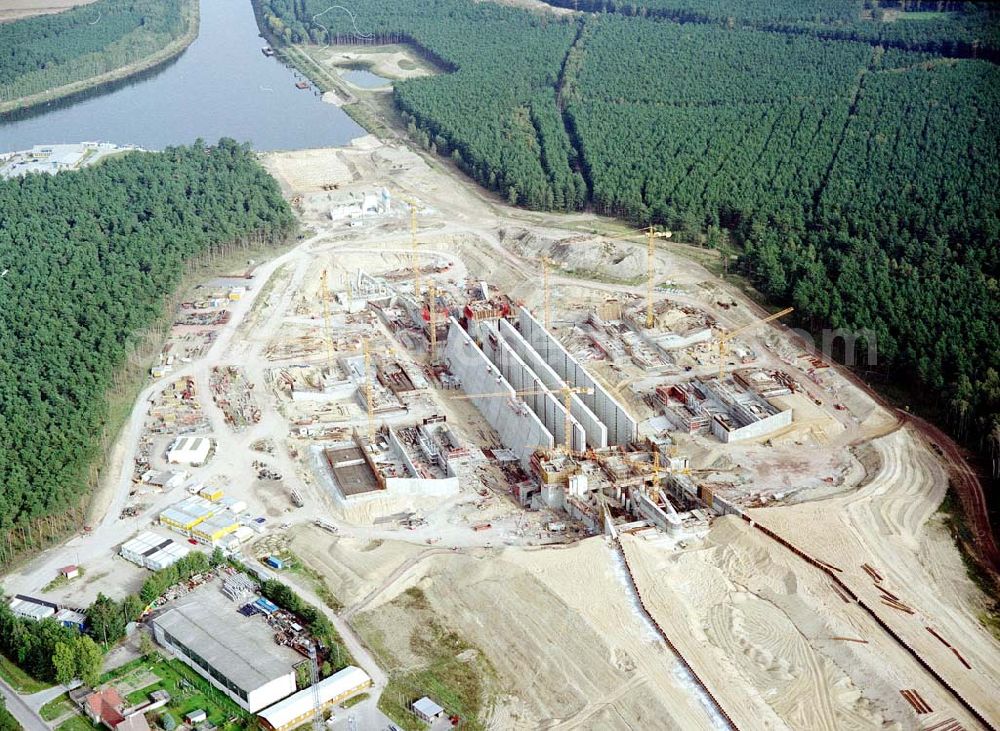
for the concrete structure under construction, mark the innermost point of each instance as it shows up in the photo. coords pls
(409, 460)
(729, 410)
(537, 393)
(297, 709)
(352, 470)
(622, 429)
(232, 655)
(520, 428)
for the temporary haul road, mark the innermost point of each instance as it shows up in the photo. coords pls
(710, 599)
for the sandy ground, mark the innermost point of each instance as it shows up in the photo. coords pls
(568, 647)
(889, 524)
(14, 9)
(392, 62)
(740, 606)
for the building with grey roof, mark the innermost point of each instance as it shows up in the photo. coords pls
(233, 655)
(28, 607)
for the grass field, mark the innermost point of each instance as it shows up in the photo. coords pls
(458, 684)
(77, 723)
(14, 9)
(18, 679)
(188, 692)
(56, 708)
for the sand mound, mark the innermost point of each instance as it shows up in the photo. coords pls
(739, 609)
(885, 524)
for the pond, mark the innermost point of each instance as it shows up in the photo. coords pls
(365, 78)
(222, 85)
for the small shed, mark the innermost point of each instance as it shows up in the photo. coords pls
(193, 717)
(70, 572)
(427, 710)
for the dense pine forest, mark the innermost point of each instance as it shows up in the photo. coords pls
(48, 51)
(89, 256)
(849, 149)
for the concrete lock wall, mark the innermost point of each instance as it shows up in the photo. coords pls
(520, 429)
(416, 487)
(622, 428)
(596, 431)
(547, 406)
(756, 430)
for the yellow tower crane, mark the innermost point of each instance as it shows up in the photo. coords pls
(566, 392)
(432, 296)
(369, 391)
(726, 337)
(651, 236)
(350, 292)
(327, 330)
(414, 253)
(546, 262)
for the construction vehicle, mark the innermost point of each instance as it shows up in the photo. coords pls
(726, 337)
(566, 392)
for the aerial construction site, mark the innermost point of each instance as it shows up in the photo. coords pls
(620, 491)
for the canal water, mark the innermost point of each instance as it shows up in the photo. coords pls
(221, 86)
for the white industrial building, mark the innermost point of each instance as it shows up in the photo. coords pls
(296, 709)
(190, 450)
(233, 658)
(166, 480)
(152, 551)
(28, 607)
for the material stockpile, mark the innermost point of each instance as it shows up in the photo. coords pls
(233, 393)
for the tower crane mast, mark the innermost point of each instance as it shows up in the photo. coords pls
(726, 337)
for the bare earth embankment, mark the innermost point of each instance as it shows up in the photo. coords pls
(782, 648)
(17, 9)
(568, 648)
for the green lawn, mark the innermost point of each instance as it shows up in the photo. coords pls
(188, 692)
(77, 723)
(18, 679)
(54, 709)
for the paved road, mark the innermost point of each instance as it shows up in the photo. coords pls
(19, 708)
